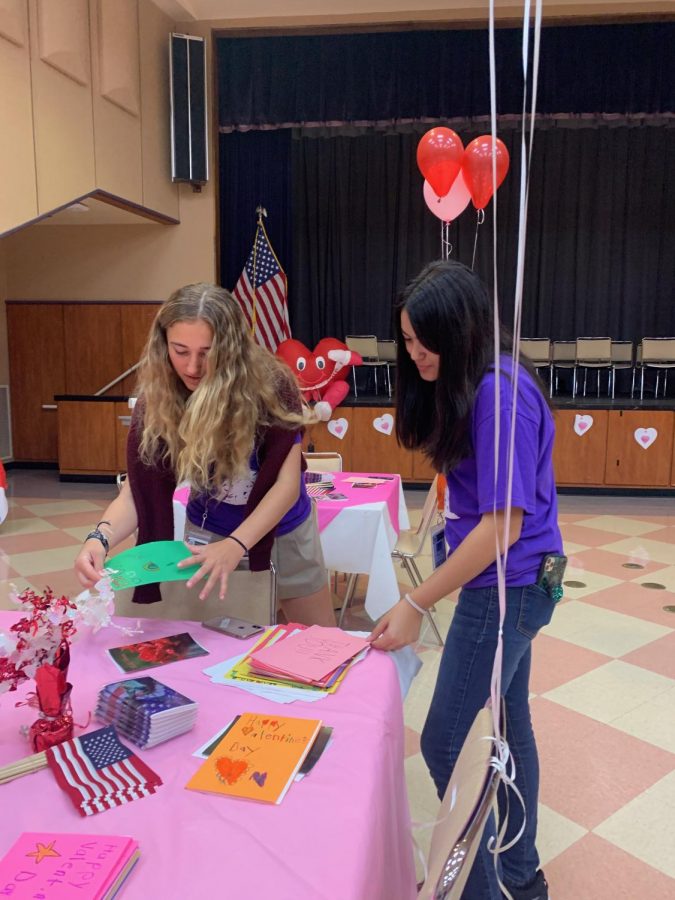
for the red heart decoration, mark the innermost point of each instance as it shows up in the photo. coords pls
(230, 770)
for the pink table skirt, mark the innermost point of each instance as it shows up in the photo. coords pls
(342, 832)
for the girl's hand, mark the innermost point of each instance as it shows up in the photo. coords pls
(216, 561)
(89, 563)
(397, 628)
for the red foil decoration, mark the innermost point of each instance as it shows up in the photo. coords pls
(52, 698)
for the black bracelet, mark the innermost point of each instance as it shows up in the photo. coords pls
(99, 536)
(236, 539)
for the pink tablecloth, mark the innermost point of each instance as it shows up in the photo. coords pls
(342, 833)
(387, 492)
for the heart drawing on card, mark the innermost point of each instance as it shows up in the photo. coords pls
(645, 437)
(230, 770)
(384, 424)
(260, 778)
(582, 424)
(338, 427)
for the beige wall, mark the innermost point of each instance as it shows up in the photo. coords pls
(114, 262)
(4, 360)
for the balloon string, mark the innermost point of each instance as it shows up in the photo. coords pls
(446, 246)
(480, 218)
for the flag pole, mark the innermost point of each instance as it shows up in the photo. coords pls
(260, 212)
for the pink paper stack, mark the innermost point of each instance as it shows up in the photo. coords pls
(312, 656)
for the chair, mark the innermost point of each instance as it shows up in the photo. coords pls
(463, 814)
(593, 353)
(366, 346)
(538, 351)
(622, 358)
(411, 543)
(386, 351)
(250, 595)
(563, 356)
(327, 461)
(659, 354)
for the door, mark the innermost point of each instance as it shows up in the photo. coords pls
(639, 448)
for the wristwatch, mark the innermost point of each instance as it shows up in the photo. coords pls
(99, 536)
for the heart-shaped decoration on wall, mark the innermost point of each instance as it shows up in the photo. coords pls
(645, 437)
(338, 428)
(384, 424)
(583, 424)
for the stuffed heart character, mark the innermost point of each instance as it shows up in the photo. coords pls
(322, 373)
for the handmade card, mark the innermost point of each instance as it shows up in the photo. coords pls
(56, 866)
(149, 563)
(258, 758)
(311, 655)
(158, 652)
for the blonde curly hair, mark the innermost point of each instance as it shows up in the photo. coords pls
(208, 435)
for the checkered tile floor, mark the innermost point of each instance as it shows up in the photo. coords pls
(603, 681)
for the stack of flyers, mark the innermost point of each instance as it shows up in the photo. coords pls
(145, 711)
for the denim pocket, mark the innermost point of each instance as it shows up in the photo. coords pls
(536, 610)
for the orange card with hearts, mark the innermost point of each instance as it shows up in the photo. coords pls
(258, 758)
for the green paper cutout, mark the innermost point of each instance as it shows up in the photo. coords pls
(149, 564)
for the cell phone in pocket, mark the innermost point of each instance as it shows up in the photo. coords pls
(551, 574)
(232, 627)
(439, 552)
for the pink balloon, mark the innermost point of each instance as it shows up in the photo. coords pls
(455, 201)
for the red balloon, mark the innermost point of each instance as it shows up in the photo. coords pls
(439, 158)
(477, 168)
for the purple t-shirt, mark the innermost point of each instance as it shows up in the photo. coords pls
(471, 486)
(223, 516)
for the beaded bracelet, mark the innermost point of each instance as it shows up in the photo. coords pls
(409, 599)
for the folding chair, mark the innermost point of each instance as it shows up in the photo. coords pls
(659, 354)
(622, 358)
(326, 461)
(386, 351)
(411, 543)
(366, 346)
(563, 356)
(593, 353)
(538, 351)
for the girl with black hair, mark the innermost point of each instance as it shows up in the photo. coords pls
(445, 405)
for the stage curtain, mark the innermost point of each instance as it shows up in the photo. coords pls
(428, 75)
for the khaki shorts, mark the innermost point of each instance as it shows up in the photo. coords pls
(297, 558)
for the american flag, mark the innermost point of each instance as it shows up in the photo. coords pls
(262, 295)
(98, 772)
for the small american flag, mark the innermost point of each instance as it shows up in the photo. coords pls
(261, 293)
(98, 772)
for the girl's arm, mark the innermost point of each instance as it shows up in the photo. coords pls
(220, 558)
(478, 550)
(123, 521)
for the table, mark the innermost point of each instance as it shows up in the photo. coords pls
(342, 833)
(359, 533)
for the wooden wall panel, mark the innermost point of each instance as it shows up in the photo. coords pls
(580, 458)
(116, 97)
(87, 439)
(136, 320)
(93, 346)
(630, 464)
(375, 451)
(37, 372)
(324, 441)
(18, 191)
(122, 423)
(62, 109)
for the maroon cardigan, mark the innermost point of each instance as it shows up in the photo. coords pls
(152, 489)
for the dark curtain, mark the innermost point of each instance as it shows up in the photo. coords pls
(255, 170)
(601, 233)
(418, 75)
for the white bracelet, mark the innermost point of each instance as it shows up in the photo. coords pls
(409, 599)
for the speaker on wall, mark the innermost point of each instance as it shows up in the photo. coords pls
(189, 144)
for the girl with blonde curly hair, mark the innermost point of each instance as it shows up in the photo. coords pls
(221, 413)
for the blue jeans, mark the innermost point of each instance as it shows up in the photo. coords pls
(462, 689)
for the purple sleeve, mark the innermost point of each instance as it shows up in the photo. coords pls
(525, 450)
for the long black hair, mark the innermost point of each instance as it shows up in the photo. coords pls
(452, 315)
